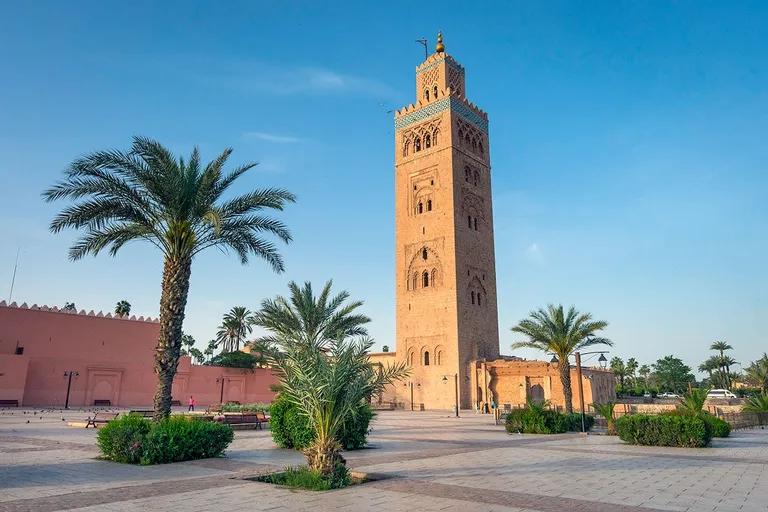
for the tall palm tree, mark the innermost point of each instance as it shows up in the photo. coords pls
(554, 331)
(321, 352)
(123, 308)
(721, 347)
(644, 372)
(619, 369)
(631, 367)
(235, 326)
(147, 194)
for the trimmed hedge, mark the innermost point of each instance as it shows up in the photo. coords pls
(718, 426)
(291, 429)
(536, 420)
(133, 439)
(664, 430)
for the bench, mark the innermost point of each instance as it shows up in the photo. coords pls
(95, 421)
(9, 403)
(242, 419)
(175, 403)
(145, 413)
(102, 403)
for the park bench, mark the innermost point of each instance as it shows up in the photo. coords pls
(102, 403)
(175, 403)
(241, 419)
(105, 418)
(9, 403)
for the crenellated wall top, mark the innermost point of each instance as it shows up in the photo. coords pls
(82, 312)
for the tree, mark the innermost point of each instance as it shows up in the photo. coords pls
(210, 349)
(321, 353)
(554, 331)
(644, 372)
(197, 355)
(714, 369)
(725, 362)
(631, 368)
(123, 308)
(385, 348)
(692, 403)
(147, 194)
(619, 369)
(235, 359)
(69, 306)
(757, 403)
(235, 326)
(672, 374)
(756, 374)
(606, 411)
(187, 343)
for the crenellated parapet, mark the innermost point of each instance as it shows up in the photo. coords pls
(424, 110)
(82, 312)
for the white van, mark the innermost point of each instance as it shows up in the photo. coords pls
(720, 393)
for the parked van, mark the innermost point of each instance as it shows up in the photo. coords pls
(720, 393)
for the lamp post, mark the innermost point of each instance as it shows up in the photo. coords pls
(69, 374)
(603, 364)
(221, 395)
(455, 390)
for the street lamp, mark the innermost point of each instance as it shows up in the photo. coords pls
(455, 389)
(69, 374)
(603, 361)
(554, 360)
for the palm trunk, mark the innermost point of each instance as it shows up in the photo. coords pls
(565, 380)
(324, 455)
(173, 302)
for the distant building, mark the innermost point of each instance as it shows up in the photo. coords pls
(113, 358)
(445, 268)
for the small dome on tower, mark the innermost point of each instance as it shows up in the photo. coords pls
(440, 47)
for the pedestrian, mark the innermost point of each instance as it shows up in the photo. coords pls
(191, 404)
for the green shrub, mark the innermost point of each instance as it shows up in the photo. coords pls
(122, 439)
(718, 426)
(664, 430)
(536, 419)
(255, 407)
(302, 477)
(134, 439)
(290, 429)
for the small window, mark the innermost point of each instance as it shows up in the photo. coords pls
(467, 174)
(427, 141)
(434, 276)
(479, 299)
(420, 208)
(434, 92)
(477, 178)
(426, 94)
(439, 358)
(469, 221)
(426, 358)
(424, 253)
(475, 222)
(473, 297)
(429, 205)
(410, 358)
(417, 144)
(406, 148)
(425, 279)
(434, 137)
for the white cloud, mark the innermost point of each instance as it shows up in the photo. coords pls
(534, 253)
(270, 137)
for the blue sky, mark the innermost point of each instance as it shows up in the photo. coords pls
(628, 144)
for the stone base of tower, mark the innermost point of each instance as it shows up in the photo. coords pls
(508, 381)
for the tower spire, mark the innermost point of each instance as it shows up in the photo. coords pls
(440, 47)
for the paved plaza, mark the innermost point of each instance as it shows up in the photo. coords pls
(424, 461)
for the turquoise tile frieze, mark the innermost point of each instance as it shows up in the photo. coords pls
(440, 106)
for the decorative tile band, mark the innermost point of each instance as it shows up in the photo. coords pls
(439, 106)
(450, 62)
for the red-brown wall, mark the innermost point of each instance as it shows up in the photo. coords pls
(114, 360)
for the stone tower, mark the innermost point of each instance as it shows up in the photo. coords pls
(445, 265)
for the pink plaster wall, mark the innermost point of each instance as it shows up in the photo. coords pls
(114, 359)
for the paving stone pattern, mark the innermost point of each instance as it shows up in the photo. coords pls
(425, 461)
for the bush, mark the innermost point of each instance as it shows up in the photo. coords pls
(304, 478)
(134, 439)
(718, 426)
(122, 439)
(290, 429)
(535, 419)
(664, 430)
(256, 407)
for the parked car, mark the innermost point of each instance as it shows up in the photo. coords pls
(720, 393)
(667, 395)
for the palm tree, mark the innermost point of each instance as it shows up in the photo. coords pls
(632, 370)
(147, 194)
(553, 331)
(757, 403)
(321, 352)
(692, 403)
(644, 372)
(714, 370)
(606, 411)
(235, 326)
(756, 374)
(721, 347)
(619, 369)
(123, 308)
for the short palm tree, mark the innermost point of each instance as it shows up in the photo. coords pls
(123, 308)
(756, 374)
(692, 403)
(631, 367)
(321, 353)
(561, 333)
(235, 326)
(757, 403)
(620, 371)
(147, 194)
(606, 411)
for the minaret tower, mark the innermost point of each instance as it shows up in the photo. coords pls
(445, 265)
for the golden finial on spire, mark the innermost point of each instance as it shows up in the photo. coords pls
(440, 48)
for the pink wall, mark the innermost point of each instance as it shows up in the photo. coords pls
(114, 359)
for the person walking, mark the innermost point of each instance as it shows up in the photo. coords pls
(192, 404)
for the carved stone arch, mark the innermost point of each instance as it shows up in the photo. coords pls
(425, 356)
(439, 355)
(435, 136)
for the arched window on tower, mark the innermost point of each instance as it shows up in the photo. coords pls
(467, 140)
(427, 141)
(414, 281)
(434, 92)
(406, 148)
(480, 147)
(425, 279)
(411, 358)
(473, 297)
(479, 300)
(434, 276)
(420, 208)
(469, 221)
(434, 137)
(417, 144)
(474, 145)
(476, 178)
(475, 223)
(424, 253)
(439, 357)
(461, 135)
(426, 94)
(426, 358)
(467, 174)
(429, 205)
